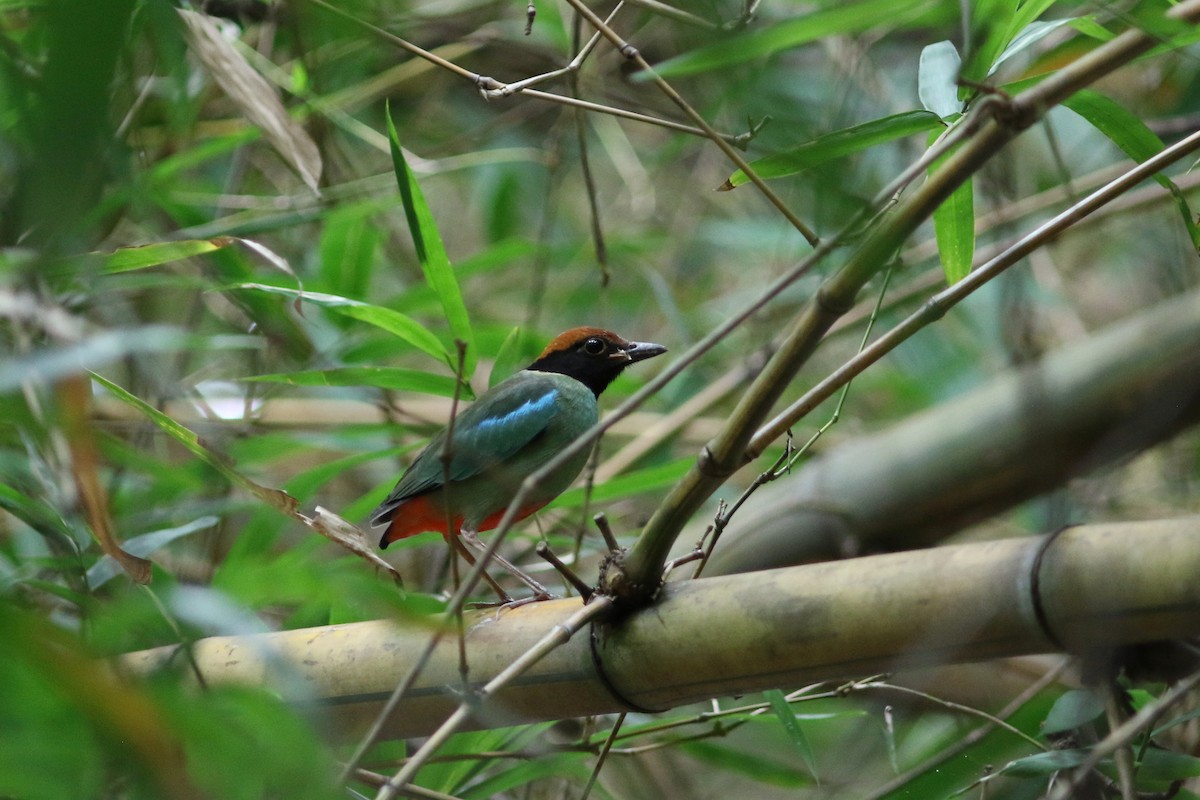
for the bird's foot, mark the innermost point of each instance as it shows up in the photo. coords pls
(505, 605)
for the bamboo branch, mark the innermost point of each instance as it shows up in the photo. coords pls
(637, 576)
(742, 633)
(1023, 433)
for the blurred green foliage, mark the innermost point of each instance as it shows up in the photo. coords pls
(150, 234)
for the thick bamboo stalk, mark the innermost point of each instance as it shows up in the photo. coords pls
(1077, 410)
(1096, 585)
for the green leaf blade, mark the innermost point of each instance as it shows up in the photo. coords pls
(399, 325)
(128, 259)
(764, 42)
(838, 144)
(431, 252)
(791, 725)
(954, 229)
(1128, 132)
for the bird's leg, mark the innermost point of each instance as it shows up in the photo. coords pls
(540, 592)
(462, 550)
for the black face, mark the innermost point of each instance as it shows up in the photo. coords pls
(594, 358)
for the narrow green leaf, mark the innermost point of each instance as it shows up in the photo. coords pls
(1128, 132)
(395, 323)
(1182, 718)
(1027, 12)
(563, 766)
(453, 776)
(144, 546)
(127, 259)
(726, 759)
(999, 27)
(349, 240)
(954, 227)
(191, 442)
(762, 42)
(787, 718)
(1123, 127)
(837, 145)
(991, 31)
(405, 380)
(643, 480)
(937, 79)
(1033, 33)
(1088, 26)
(439, 273)
(1040, 764)
(509, 359)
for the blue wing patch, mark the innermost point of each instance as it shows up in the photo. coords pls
(482, 438)
(519, 417)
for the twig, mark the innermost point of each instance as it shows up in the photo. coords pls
(939, 304)
(630, 52)
(603, 756)
(1123, 756)
(975, 712)
(677, 14)
(785, 462)
(1126, 733)
(972, 738)
(1002, 122)
(496, 88)
(585, 163)
(556, 637)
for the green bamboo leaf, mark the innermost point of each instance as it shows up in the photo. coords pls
(349, 240)
(1040, 764)
(1088, 26)
(954, 227)
(404, 380)
(281, 501)
(1135, 139)
(837, 145)
(439, 273)
(561, 766)
(395, 323)
(1033, 33)
(643, 480)
(1182, 718)
(144, 546)
(509, 359)
(726, 759)
(1113, 120)
(787, 717)
(763, 42)
(127, 259)
(991, 31)
(1003, 29)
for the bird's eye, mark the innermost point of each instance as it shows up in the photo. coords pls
(594, 346)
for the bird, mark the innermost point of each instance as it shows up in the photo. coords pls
(510, 432)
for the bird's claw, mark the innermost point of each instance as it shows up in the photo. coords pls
(510, 603)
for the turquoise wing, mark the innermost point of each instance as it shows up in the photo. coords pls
(492, 430)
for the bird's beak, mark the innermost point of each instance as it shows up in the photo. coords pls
(640, 351)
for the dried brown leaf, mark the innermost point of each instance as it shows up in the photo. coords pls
(253, 95)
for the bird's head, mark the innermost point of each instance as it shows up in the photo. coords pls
(593, 356)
